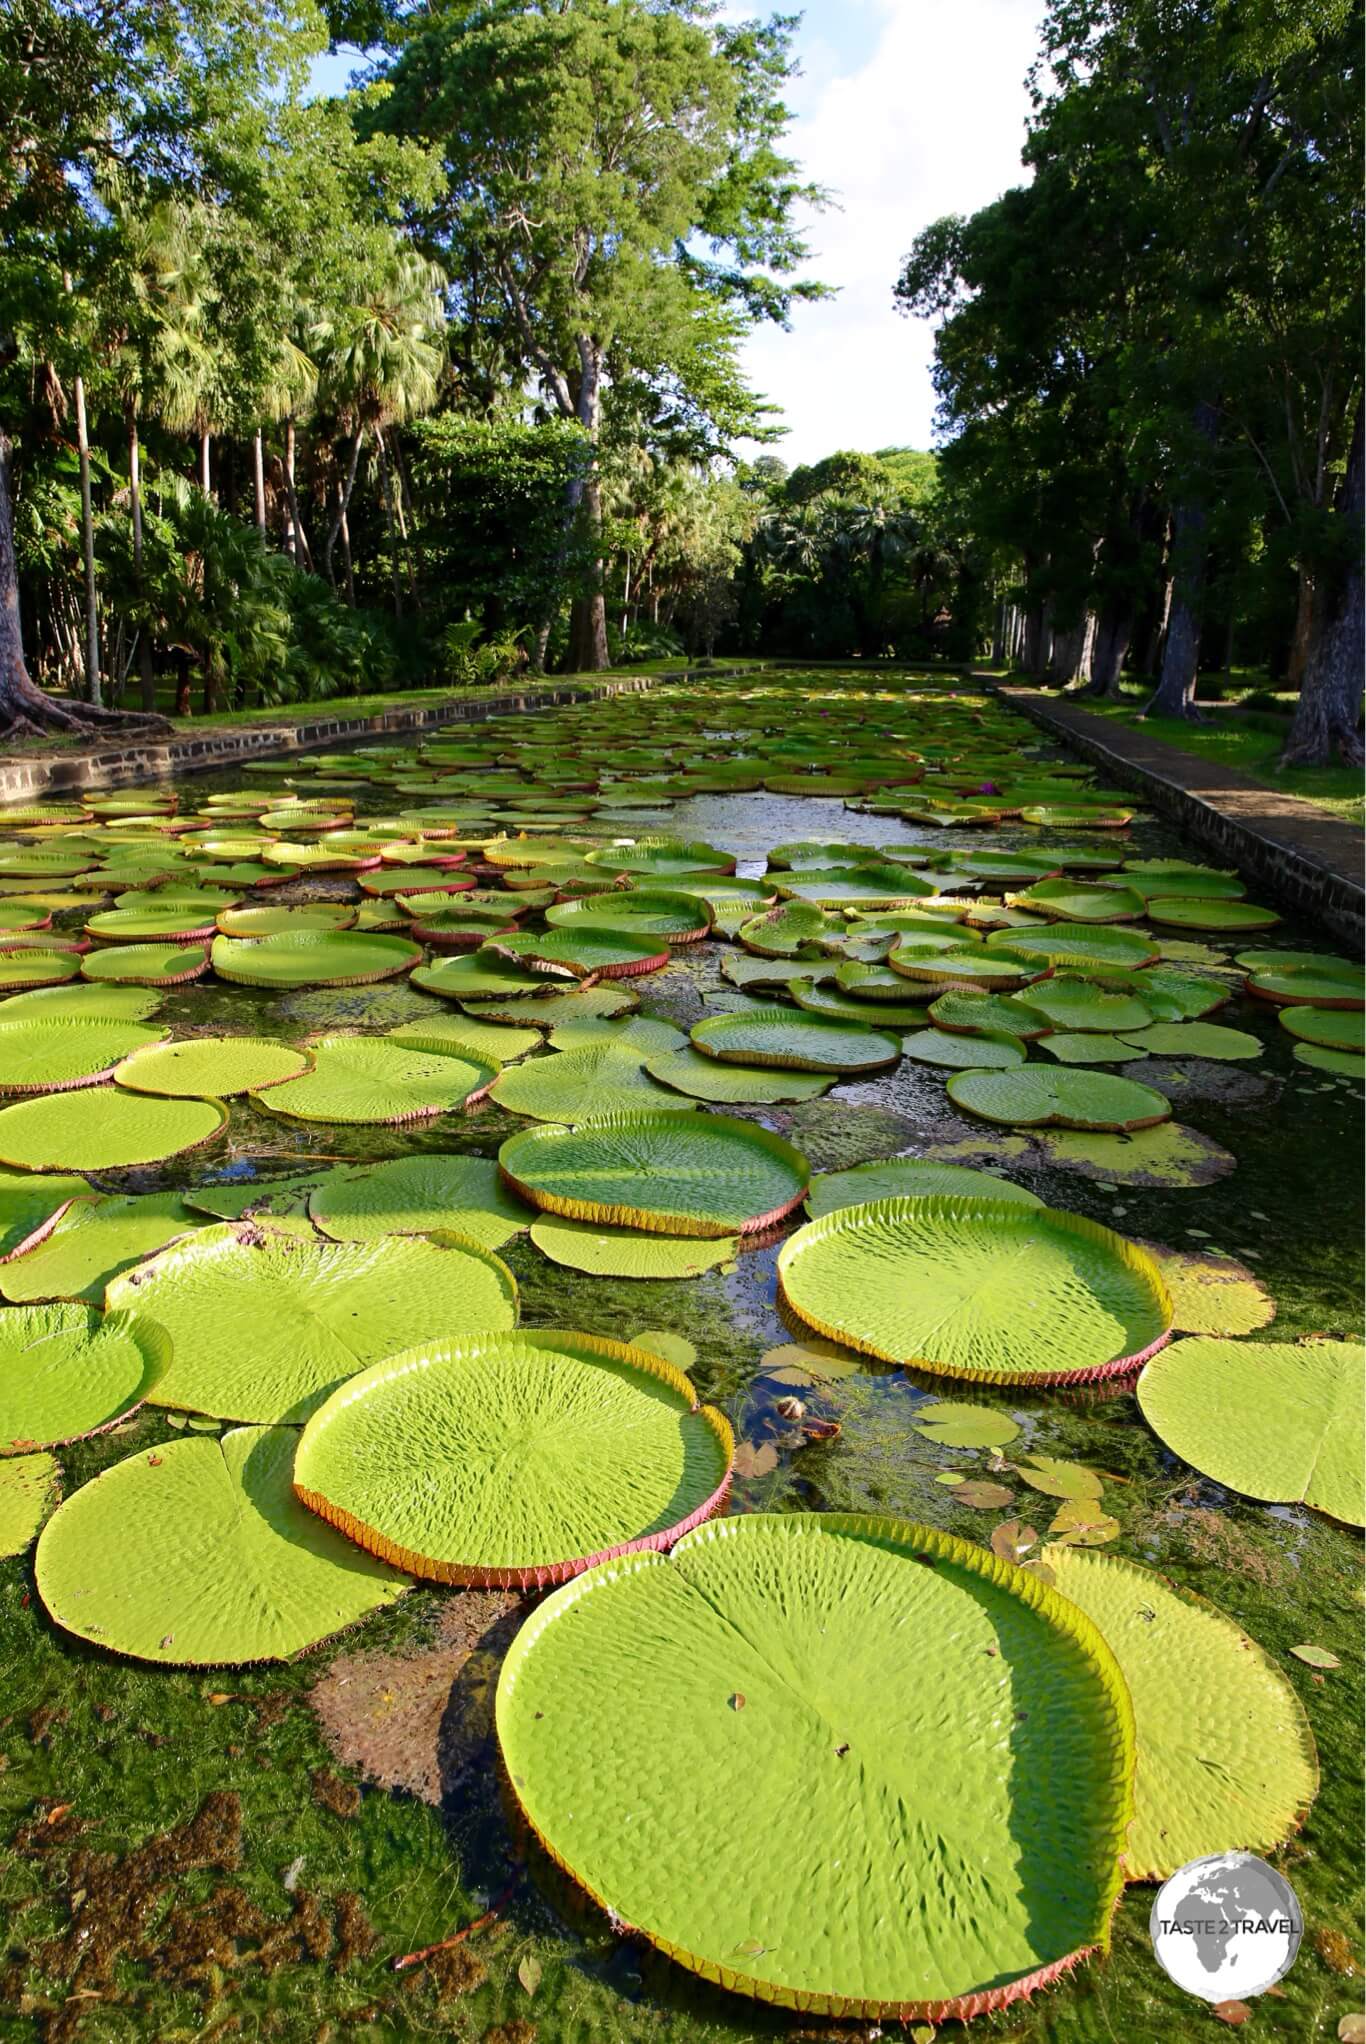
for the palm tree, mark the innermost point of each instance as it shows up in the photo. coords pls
(380, 362)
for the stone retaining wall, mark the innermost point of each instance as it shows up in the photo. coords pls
(1302, 856)
(24, 779)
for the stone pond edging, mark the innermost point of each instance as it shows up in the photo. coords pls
(1295, 852)
(27, 779)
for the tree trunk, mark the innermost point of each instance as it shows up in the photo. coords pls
(1175, 695)
(26, 711)
(205, 473)
(387, 492)
(1306, 618)
(334, 531)
(1071, 652)
(146, 676)
(296, 537)
(183, 706)
(92, 615)
(1327, 718)
(258, 476)
(1113, 633)
(998, 637)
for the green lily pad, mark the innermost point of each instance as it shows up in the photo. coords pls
(792, 930)
(976, 1014)
(986, 1289)
(963, 968)
(1309, 989)
(908, 1178)
(283, 922)
(1089, 1047)
(31, 967)
(1035, 1096)
(1344, 1064)
(863, 886)
(991, 1050)
(645, 912)
(585, 951)
(486, 1042)
(832, 1006)
(1076, 1005)
(965, 1426)
(1334, 1028)
(172, 924)
(1201, 912)
(1069, 901)
(796, 1042)
(373, 1079)
(102, 1128)
(482, 976)
(662, 859)
(742, 970)
(93, 1241)
(211, 1066)
(515, 1459)
(1212, 1294)
(1280, 1421)
(147, 965)
(1167, 1156)
(671, 1174)
(573, 1085)
(280, 1200)
(29, 1488)
(198, 1553)
(264, 1324)
(642, 1033)
(1077, 944)
(1175, 996)
(1198, 1685)
(313, 958)
(418, 1195)
(30, 1208)
(82, 1002)
(857, 1694)
(1194, 1039)
(41, 1054)
(1325, 962)
(547, 1008)
(67, 1371)
(707, 1078)
(628, 1252)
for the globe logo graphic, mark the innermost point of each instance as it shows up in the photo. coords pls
(1226, 1927)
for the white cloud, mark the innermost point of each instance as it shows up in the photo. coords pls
(931, 123)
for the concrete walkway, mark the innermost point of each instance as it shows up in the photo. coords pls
(1290, 849)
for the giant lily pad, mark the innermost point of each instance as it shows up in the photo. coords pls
(1196, 912)
(32, 967)
(515, 1459)
(1076, 1005)
(171, 924)
(662, 859)
(792, 930)
(92, 1242)
(1077, 944)
(283, 922)
(417, 1195)
(211, 1066)
(859, 1697)
(794, 1041)
(1343, 1064)
(360, 1079)
(1226, 1759)
(313, 958)
(672, 1174)
(1307, 988)
(833, 1006)
(1037, 1096)
(147, 965)
(1193, 1039)
(585, 951)
(1165, 1156)
(1281, 1421)
(483, 977)
(963, 968)
(84, 1003)
(987, 1289)
(1211, 1294)
(1069, 901)
(199, 1553)
(601, 1077)
(102, 1128)
(908, 1178)
(863, 886)
(265, 1324)
(29, 1488)
(707, 1078)
(985, 1014)
(991, 1050)
(67, 1371)
(628, 1252)
(1333, 1028)
(39, 1054)
(644, 912)
(30, 1208)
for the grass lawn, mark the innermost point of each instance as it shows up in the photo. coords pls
(1252, 747)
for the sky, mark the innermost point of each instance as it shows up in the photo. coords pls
(905, 110)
